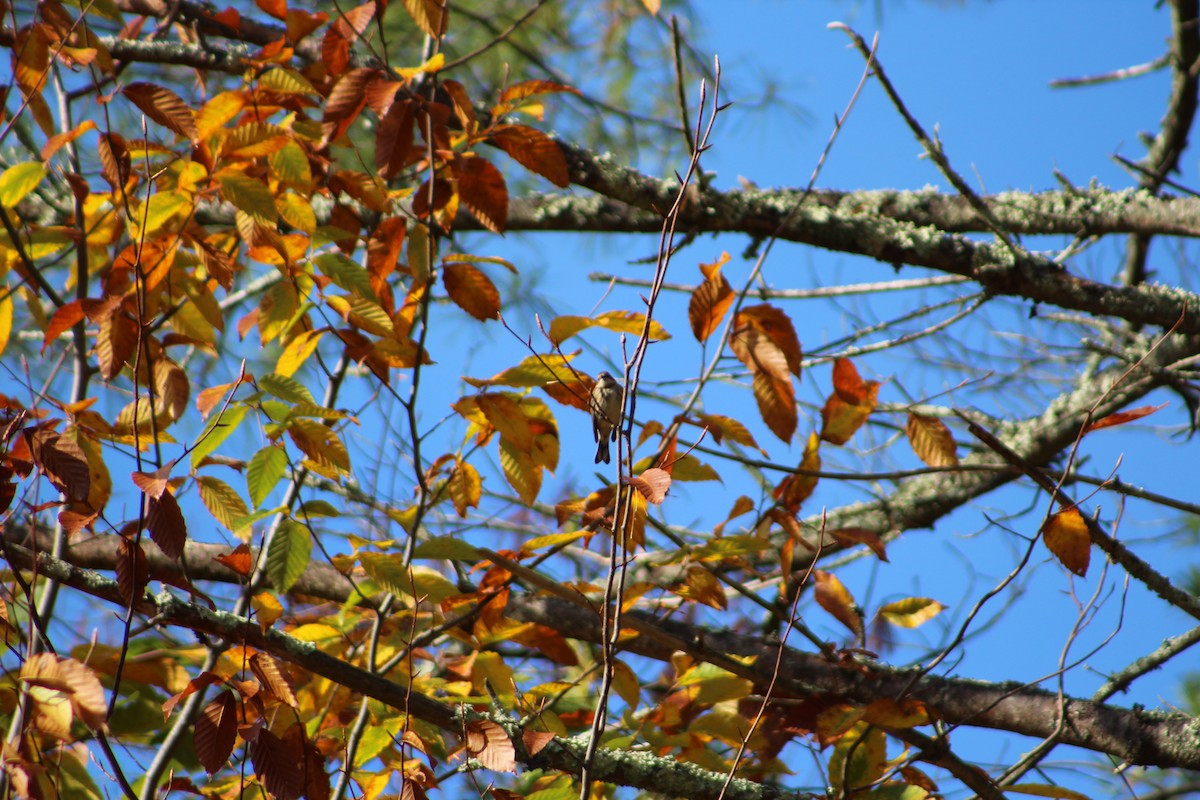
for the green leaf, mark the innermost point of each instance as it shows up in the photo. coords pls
(421, 583)
(449, 547)
(219, 428)
(346, 273)
(289, 554)
(266, 468)
(287, 389)
(19, 180)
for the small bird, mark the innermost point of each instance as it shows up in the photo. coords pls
(606, 401)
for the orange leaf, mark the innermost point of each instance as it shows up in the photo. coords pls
(163, 106)
(1066, 535)
(526, 89)
(710, 300)
(832, 596)
(66, 317)
(483, 191)
(1121, 417)
(55, 143)
(795, 489)
(238, 560)
(472, 291)
(764, 340)
(533, 150)
(931, 440)
(777, 404)
(847, 407)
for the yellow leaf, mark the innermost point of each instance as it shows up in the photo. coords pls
(1066, 535)
(19, 180)
(911, 611)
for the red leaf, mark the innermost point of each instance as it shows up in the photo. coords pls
(1121, 417)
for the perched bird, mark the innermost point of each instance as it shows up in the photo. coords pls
(606, 402)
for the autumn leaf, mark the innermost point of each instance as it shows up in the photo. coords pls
(931, 440)
(1121, 417)
(835, 598)
(533, 150)
(911, 611)
(710, 300)
(849, 405)
(1066, 535)
(163, 106)
(472, 291)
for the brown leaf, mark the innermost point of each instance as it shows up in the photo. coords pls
(653, 484)
(533, 150)
(171, 388)
(278, 767)
(483, 191)
(472, 291)
(536, 740)
(166, 525)
(163, 106)
(833, 596)
(777, 404)
(710, 300)
(62, 461)
(488, 742)
(115, 162)
(115, 344)
(154, 483)
(861, 536)
(394, 142)
(215, 732)
(1121, 417)
(133, 573)
(345, 102)
(1066, 535)
(85, 691)
(931, 440)
(273, 679)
